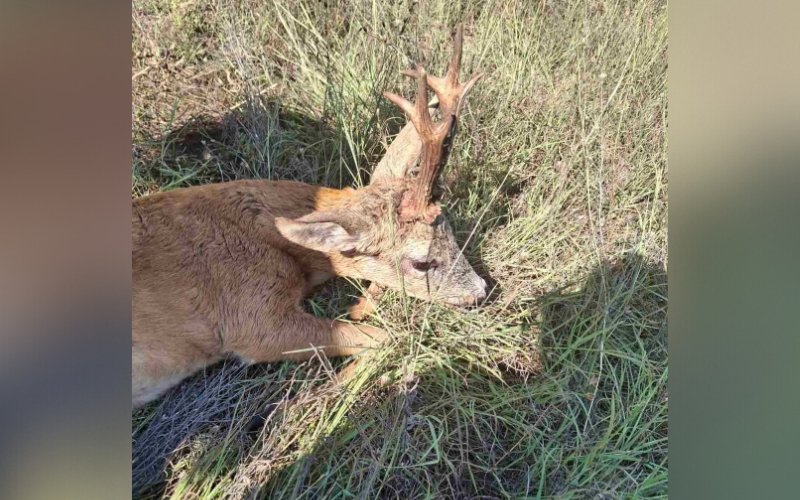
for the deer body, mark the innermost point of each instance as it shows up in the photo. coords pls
(221, 270)
(213, 277)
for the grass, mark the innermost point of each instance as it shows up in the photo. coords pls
(557, 185)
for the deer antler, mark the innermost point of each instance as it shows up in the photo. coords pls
(435, 138)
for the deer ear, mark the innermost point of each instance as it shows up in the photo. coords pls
(322, 236)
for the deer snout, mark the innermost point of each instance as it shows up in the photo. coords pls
(476, 297)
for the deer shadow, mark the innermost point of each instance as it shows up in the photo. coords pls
(260, 140)
(631, 281)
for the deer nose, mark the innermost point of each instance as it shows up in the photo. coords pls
(479, 295)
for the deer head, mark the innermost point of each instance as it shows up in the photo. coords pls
(393, 232)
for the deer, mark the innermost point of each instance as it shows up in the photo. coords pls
(221, 270)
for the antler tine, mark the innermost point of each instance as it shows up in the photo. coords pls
(451, 94)
(455, 61)
(418, 111)
(406, 106)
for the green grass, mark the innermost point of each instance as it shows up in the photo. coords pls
(557, 184)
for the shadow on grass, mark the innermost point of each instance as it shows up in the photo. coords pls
(625, 297)
(261, 140)
(227, 399)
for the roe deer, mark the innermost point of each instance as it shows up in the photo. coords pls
(220, 270)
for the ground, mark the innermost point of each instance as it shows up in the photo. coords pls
(556, 184)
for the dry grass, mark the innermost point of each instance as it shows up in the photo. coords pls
(557, 184)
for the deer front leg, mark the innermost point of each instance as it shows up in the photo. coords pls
(366, 304)
(335, 338)
(299, 335)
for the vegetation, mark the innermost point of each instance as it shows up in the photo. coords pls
(557, 386)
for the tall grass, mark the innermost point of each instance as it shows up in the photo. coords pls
(557, 387)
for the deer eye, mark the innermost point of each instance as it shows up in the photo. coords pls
(424, 265)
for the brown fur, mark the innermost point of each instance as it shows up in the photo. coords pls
(213, 277)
